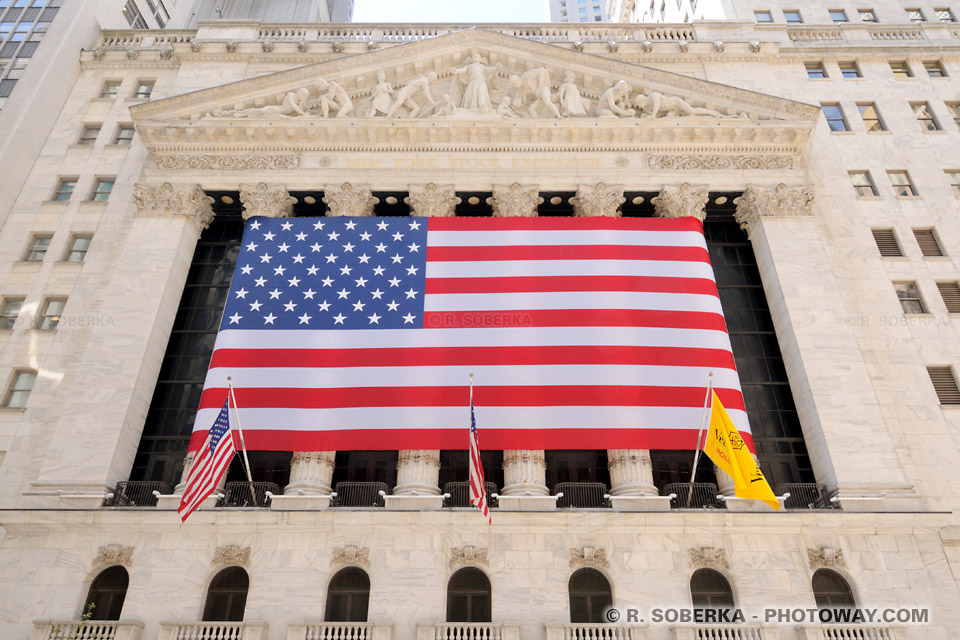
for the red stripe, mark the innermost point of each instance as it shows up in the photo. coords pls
(530, 284)
(494, 439)
(496, 396)
(687, 223)
(575, 318)
(475, 356)
(567, 252)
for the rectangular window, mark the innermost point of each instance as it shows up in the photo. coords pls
(849, 70)
(954, 178)
(838, 15)
(944, 15)
(143, 89)
(792, 16)
(38, 248)
(862, 183)
(65, 189)
(928, 243)
(867, 15)
(834, 115)
(20, 387)
(901, 69)
(924, 116)
(124, 135)
(815, 70)
(763, 16)
(954, 108)
(915, 15)
(887, 244)
(110, 89)
(89, 134)
(909, 297)
(52, 311)
(950, 292)
(101, 192)
(79, 246)
(871, 117)
(900, 181)
(945, 384)
(9, 311)
(133, 16)
(934, 69)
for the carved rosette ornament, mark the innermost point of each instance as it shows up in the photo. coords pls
(351, 555)
(349, 199)
(709, 557)
(231, 554)
(515, 200)
(588, 557)
(112, 554)
(779, 202)
(168, 201)
(601, 200)
(468, 556)
(267, 200)
(432, 201)
(685, 200)
(825, 557)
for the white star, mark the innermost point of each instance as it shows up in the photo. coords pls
(275, 294)
(252, 246)
(327, 282)
(235, 318)
(260, 281)
(294, 281)
(324, 306)
(333, 235)
(343, 293)
(290, 306)
(339, 318)
(269, 319)
(377, 294)
(414, 248)
(378, 271)
(297, 259)
(381, 248)
(283, 248)
(246, 270)
(301, 236)
(394, 282)
(305, 319)
(269, 235)
(318, 226)
(350, 225)
(312, 270)
(364, 259)
(361, 282)
(345, 270)
(348, 247)
(382, 226)
(280, 270)
(398, 236)
(265, 258)
(374, 319)
(392, 305)
(364, 236)
(255, 225)
(286, 226)
(309, 293)
(255, 305)
(315, 246)
(410, 293)
(242, 293)
(397, 258)
(408, 319)
(331, 258)
(358, 306)
(411, 271)
(414, 225)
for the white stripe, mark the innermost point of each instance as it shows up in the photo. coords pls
(570, 237)
(508, 268)
(642, 301)
(453, 376)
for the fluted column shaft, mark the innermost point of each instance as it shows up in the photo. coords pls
(631, 472)
(311, 473)
(418, 472)
(524, 473)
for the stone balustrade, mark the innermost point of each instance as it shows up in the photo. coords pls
(86, 630)
(213, 631)
(468, 631)
(339, 631)
(596, 632)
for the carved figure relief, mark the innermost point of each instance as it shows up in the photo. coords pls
(656, 105)
(615, 102)
(382, 96)
(419, 86)
(292, 105)
(532, 90)
(471, 83)
(333, 98)
(571, 102)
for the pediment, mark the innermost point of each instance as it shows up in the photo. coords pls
(474, 88)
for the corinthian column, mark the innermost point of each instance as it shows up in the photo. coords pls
(600, 200)
(524, 473)
(685, 200)
(269, 201)
(515, 200)
(311, 473)
(349, 200)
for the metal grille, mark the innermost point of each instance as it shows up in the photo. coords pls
(804, 495)
(460, 494)
(247, 494)
(582, 495)
(692, 495)
(359, 494)
(927, 239)
(886, 240)
(950, 292)
(944, 384)
(136, 494)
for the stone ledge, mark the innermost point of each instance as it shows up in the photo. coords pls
(413, 503)
(80, 501)
(640, 503)
(527, 503)
(751, 506)
(170, 502)
(300, 503)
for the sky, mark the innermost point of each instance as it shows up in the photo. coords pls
(469, 11)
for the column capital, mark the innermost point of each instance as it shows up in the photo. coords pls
(168, 201)
(349, 199)
(432, 200)
(267, 200)
(515, 200)
(685, 200)
(779, 202)
(600, 200)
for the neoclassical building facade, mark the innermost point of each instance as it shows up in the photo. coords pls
(823, 163)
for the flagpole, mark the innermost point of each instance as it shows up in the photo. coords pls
(243, 446)
(703, 416)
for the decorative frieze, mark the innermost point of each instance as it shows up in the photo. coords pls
(825, 557)
(780, 202)
(267, 200)
(515, 200)
(721, 162)
(113, 554)
(168, 201)
(349, 200)
(432, 200)
(685, 200)
(231, 555)
(468, 556)
(589, 557)
(350, 555)
(245, 162)
(709, 557)
(600, 200)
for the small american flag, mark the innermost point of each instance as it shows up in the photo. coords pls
(478, 487)
(209, 465)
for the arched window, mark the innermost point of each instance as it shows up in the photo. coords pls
(468, 596)
(831, 591)
(710, 590)
(107, 592)
(590, 596)
(348, 596)
(227, 596)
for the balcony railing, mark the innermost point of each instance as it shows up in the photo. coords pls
(581, 495)
(213, 631)
(247, 494)
(339, 631)
(850, 632)
(595, 632)
(693, 495)
(359, 494)
(460, 494)
(87, 630)
(720, 632)
(805, 495)
(469, 631)
(136, 494)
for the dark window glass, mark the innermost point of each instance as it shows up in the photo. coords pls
(590, 597)
(468, 596)
(348, 596)
(577, 466)
(710, 590)
(107, 593)
(365, 466)
(831, 591)
(227, 596)
(455, 466)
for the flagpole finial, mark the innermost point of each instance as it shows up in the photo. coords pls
(230, 378)
(471, 375)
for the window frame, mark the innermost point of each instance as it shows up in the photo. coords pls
(954, 108)
(908, 293)
(71, 247)
(953, 175)
(60, 189)
(763, 12)
(87, 140)
(847, 66)
(486, 596)
(923, 112)
(138, 93)
(357, 598)
(236, 596)
(816, 67)
(937, 65)
(832, 600)
(840, 117)
(901, 69)
(35, 253)
(871, 12)
(915, 15)
(47, 321)
(838, 16)
(934, 238)
(113, 595)
(952, 306)
(879, 125)
(944, 10)
(592, 600)
(99, 195)
(8, 316)
(110, 89)
(13, 389)
(119, 140)
(870, 183)
(908, 183)
(799, 15)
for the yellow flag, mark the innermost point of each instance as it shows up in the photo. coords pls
(729, 452)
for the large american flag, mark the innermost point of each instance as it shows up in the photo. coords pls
(360, 333)
(209, 465)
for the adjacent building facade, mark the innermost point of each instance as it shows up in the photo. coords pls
(822, 159)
